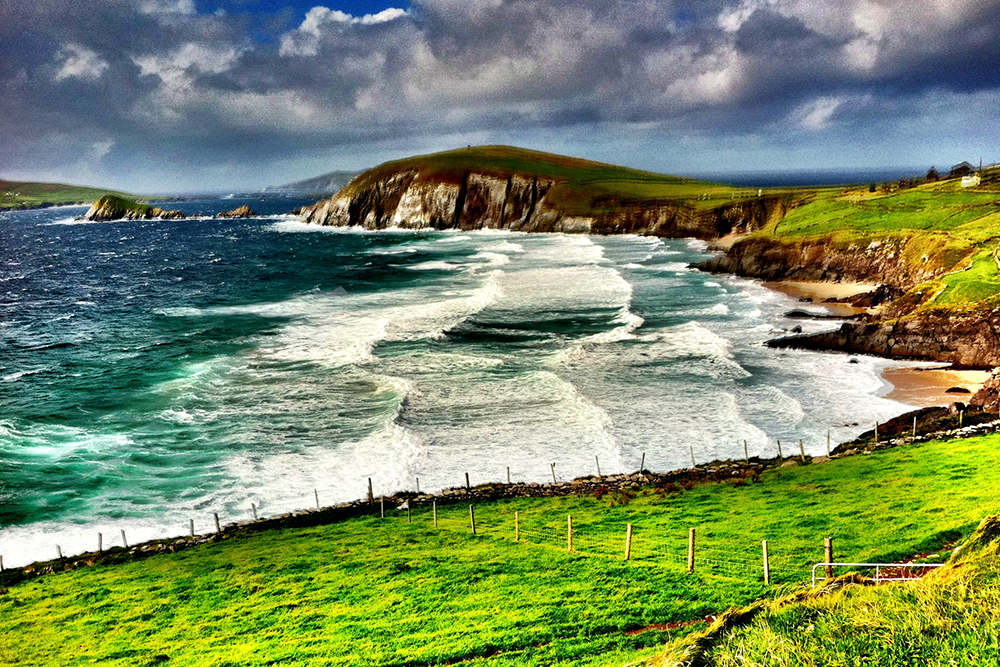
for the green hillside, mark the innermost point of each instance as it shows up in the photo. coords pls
(941, 226)
(18, 194)
(583, 185)
(370, 591)
(951, 617)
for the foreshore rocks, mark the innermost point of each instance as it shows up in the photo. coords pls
(521, 202)
(970, 341)
(241, 212)
(110, 208)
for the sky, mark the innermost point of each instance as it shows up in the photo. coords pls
(171, 96)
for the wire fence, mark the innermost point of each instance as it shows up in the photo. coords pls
(680, 550)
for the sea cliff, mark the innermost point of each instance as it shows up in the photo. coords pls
(517, 190)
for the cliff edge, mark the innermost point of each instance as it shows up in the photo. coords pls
(500, 187)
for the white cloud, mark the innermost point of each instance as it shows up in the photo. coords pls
(79, 61)
(816, 115)
(305, 40)
(167, 7)
(178, 68)
(99, 149)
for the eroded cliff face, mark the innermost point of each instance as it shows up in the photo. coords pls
(523, 203)
(883, 262)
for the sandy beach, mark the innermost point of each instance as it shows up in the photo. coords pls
(925, 387)
(817, 293)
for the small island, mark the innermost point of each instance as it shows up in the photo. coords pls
(111, 207)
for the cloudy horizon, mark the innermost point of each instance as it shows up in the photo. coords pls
(200, 95)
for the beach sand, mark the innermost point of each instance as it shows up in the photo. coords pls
(925, 387)
(818, 292)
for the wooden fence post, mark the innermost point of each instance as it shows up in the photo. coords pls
(124, 541)
(802, 451)
(691, 550)
(472, 518)
(381, 507)
(409, 516)
(192, 527)
(642, 464)
(780, 455)
(553, 466)
(598, 465)
(435, 506)
(418, 486)
(746, 454)
(59, 551)
(693, 464)
(517, 526)
(508, 474)
(468, 487)
(828, 444)
(316, 495)
(371, 495)
(569, 533)
(100, 543)
(253, 510)
(767, 563)
(628, 542)
(876, 433)
(828, 555)
(218, 528)
(914, 426)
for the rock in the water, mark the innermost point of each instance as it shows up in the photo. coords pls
(957, 390)
(988, 396)
(110, 207)
(241, 212)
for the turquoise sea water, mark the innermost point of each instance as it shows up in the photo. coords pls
(156, 371)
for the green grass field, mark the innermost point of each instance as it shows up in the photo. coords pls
(385, 592)
(950, 617)
(17, 194)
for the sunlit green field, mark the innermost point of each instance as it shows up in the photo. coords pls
(386, 592)
(20, 194)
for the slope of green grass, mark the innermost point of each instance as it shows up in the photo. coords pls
(951, 617)
(386, 592)
(940, 226)
(16, 194)
(579, 182)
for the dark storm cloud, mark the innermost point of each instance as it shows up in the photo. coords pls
(94, 86)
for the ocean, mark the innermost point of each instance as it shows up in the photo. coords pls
(153, 372)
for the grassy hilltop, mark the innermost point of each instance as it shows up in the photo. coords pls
(941, 228)
(18, 194)
(583, 186)
(386, 592)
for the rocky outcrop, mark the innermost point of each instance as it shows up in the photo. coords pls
(109, 208)
(882, 261)
(987, 399)
(241, 212)
(966, 340)
(523, 202)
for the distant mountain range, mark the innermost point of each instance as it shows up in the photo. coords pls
(331, 182)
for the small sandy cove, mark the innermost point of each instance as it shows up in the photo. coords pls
(920, 387)
(924, 387)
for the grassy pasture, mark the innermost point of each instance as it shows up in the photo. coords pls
(17, 194)
(387, 592)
